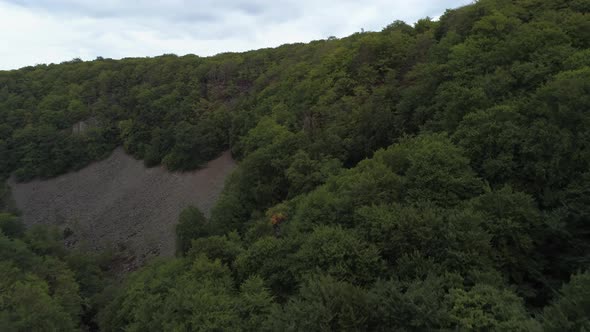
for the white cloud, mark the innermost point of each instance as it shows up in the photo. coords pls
(44, 31)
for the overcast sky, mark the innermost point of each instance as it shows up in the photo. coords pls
(46, 31)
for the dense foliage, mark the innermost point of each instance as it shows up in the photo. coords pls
(43, 287)
(425, 177)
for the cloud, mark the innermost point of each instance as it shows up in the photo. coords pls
(44, 31)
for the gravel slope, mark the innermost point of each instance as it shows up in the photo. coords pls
(118, 203)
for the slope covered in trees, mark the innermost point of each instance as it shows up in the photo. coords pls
(425, 177)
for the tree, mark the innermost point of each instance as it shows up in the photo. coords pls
(255, 305)
(571, 310)
(28, 306)
(226, 248)
(192, 224)
(491, 140)
(453, 238)
(325, 304)
(175, 295)
(340, 254)
(271, 259)
(40, 291)
(484, 307)
(11, 226)
(304, 173)
(416, 305)
(515, 226)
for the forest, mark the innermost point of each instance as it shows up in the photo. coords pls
(433, 176)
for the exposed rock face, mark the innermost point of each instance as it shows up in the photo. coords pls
(82, 126)
(120, 204)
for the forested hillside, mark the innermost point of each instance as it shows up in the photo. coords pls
(433, 176)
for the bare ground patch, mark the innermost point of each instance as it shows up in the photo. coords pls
(118, 203)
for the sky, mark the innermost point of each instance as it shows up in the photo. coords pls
(52, 31)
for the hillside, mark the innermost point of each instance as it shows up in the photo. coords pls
(118, 204)
(432, 176)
